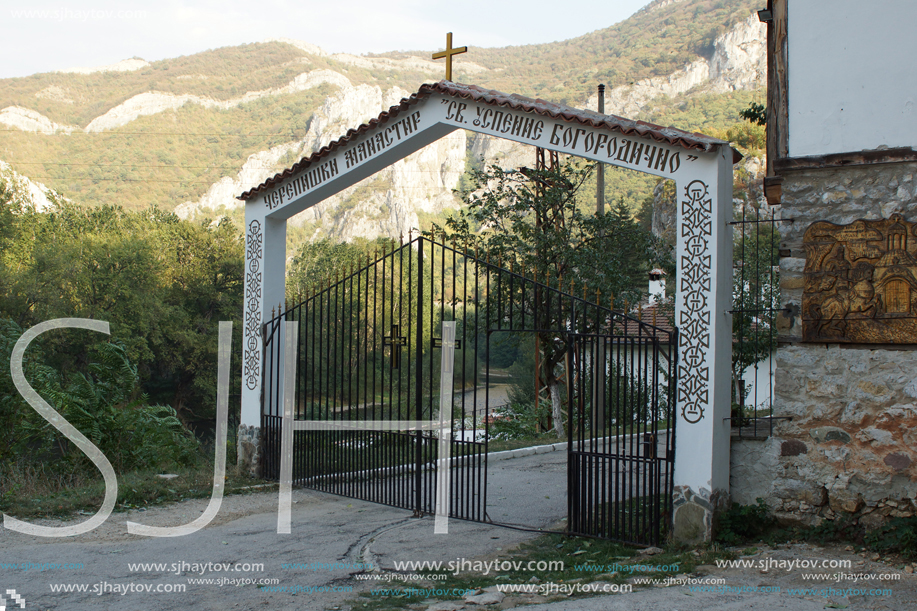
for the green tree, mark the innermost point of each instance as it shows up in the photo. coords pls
(531, 220)
(104, 402)
(755, 114)
(320, 262)
(162, 284)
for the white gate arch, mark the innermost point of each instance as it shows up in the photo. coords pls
(701, 167)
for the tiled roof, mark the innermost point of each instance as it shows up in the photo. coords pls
(658, 133)
(656, 323)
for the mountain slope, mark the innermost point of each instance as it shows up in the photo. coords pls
(192, 132)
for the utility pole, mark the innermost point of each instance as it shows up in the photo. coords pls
(600, 175)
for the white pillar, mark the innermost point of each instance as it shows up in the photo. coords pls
(703, 301)
(265, 286)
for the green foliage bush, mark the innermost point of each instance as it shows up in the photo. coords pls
(755, 113)
(743, 522)
(161, 283)
(520, 420)
(104, 403)
(897, 535)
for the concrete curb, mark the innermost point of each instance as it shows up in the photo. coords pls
(495, 456)
(519, 452)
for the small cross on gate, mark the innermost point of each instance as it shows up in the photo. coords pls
(396, 341)
(448, 53)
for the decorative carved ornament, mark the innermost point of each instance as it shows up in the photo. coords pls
(254, 242)
(861, 282)
(694, 321)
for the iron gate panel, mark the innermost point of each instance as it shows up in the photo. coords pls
(621, 446)
(368, 350)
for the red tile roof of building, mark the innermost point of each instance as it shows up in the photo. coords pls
(656, 321)
(670, 135)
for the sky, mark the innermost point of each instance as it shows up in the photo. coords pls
(39, 36)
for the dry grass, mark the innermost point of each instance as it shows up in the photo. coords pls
(56, 490)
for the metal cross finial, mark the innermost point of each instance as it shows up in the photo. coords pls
(448, 53)
(395, 341)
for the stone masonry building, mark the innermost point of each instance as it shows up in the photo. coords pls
(841, 125)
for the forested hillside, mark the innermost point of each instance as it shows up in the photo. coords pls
(165, 134)
(659, 40)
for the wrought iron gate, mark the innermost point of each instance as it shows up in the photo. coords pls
(621, 446)
(369, 350)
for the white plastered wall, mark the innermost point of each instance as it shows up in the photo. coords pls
(852, 85)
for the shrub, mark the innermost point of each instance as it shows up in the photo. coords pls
(897, 535)
(103, 403)
(743, 522)
(520, 420)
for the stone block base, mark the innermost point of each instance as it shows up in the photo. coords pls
(695, 513)
(249, 450)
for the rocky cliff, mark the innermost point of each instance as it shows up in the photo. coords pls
(739, 61)
(26, 191)
(384, 204)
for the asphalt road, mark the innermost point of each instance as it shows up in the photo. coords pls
(335, 533)
(332, 538)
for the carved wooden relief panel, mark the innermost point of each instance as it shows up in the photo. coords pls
(861, 282)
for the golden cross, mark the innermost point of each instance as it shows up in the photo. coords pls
(448, 53)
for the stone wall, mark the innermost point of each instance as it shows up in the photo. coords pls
(849, 450)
